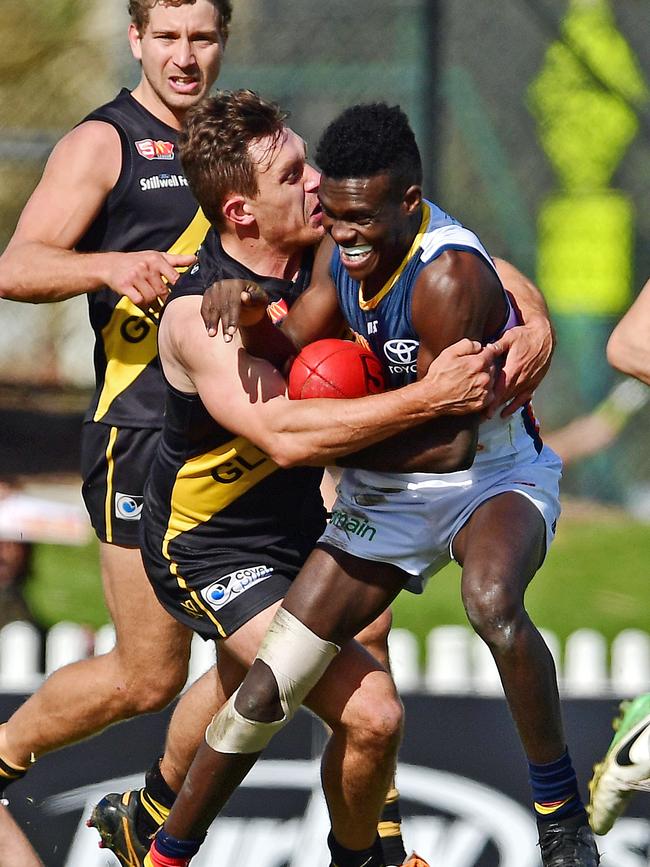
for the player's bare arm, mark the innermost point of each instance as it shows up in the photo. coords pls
(40, 262)
(247, 394)
(529, 347)
(462, 283)
(627, 348)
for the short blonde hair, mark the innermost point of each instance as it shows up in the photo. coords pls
(139, 12)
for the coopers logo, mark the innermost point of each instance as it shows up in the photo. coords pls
(155, 150)
(474, 813)
(402, 355)
(221, 592)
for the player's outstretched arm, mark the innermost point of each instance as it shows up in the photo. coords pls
(528, 347)
(440, 445)
(40, 262)
(247, 395)
(628, 348)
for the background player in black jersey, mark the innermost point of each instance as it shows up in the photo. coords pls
(100, 194)
(435, 283)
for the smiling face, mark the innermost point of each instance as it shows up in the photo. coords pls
(372, 224)
(286, 208)
(180, 51)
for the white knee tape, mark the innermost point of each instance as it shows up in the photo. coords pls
(230, 732)
(298, 659)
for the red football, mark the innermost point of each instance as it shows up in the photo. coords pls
(335, 368)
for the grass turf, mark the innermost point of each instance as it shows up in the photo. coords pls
(596, 575)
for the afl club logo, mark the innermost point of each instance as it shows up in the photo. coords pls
(155, 150)
(277, 310)
(127, 507)
(402, 355)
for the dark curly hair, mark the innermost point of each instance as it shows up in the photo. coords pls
(213, 146)
(139, 12)
(367, 140)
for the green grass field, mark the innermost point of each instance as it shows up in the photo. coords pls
(596, 575)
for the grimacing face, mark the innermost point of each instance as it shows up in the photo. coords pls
(371, 224)
(286, 209)
(181, 52)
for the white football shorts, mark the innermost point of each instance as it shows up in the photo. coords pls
(413, 524)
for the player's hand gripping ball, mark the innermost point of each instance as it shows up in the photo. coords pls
(335, 368)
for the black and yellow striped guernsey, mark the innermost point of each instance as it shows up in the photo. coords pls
(214, 502)
(150, 208)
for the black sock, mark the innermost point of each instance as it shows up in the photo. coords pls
(342, 857)
(390, 830)
(155, 802)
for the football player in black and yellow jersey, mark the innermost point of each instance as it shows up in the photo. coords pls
(226, 528)
(113, 217)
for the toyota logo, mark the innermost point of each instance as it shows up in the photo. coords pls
(401, 351)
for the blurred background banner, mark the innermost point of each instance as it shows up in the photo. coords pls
(464, 803)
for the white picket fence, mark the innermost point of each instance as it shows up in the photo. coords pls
(456, 660)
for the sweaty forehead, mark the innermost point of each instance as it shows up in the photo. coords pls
(355, 192)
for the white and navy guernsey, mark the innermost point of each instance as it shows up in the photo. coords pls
(384, 324)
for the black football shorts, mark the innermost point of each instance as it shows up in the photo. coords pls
(115, 463)
(219, 589)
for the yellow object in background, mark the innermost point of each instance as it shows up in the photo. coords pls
(584, 100)
(585, 244)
